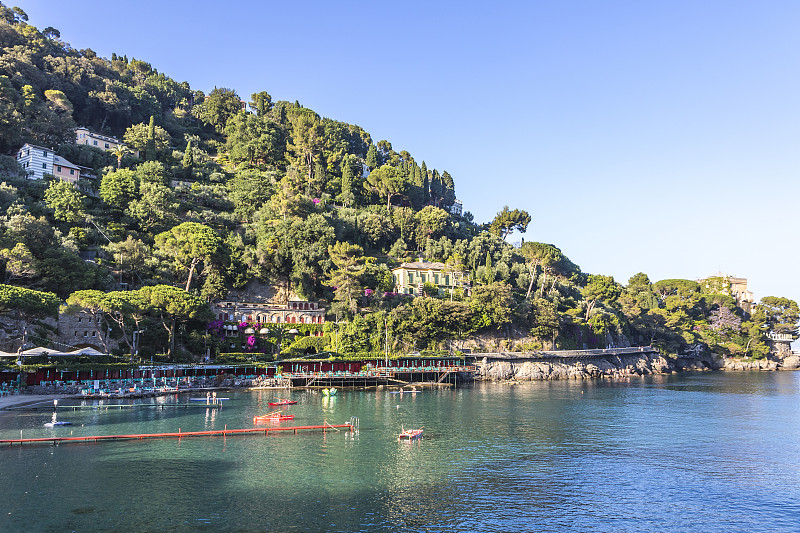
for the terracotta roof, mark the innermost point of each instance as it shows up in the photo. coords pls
(422, 266)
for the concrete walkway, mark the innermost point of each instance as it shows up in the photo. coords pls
(16, 400)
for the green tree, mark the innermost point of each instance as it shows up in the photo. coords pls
(27, 306)
(188, 159)
(249, 190)
(219, 106)
(386, 182)
(118, 188)
(254, 140)
(18, 263)
(508, 221)
(599, 288)
(139, 135)
(346, 278)
(172, 306)
(188, 245)
(150, 144)
(430, 223)
(306, 141)
(261, 102)
(491, 305)
(119, 152)
(65, 201)
(154, 208)
(781, 314)
(373, 159)
(127, 310)
(131, 255)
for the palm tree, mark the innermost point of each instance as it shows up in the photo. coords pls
(120, 151)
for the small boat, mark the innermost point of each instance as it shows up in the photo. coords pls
(209, 400)
(283, 402)
(272, 417)
(410, 434)
(55, 424)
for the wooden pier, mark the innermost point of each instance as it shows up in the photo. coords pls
(179, 435)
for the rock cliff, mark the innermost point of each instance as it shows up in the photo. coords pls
(622, 367)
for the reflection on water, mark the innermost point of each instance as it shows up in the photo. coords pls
(708, 452)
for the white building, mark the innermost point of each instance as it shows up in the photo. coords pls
(457, 208)
(38, 161)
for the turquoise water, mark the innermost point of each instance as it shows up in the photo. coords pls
(704, 452)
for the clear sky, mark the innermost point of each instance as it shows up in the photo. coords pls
(657, 136)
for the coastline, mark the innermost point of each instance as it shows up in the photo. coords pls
(626, 366)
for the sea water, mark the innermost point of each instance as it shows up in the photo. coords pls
(696, 452)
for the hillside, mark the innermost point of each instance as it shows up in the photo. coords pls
(226, 192)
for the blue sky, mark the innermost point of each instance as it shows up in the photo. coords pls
(641, 136)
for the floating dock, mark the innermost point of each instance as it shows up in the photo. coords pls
(178, 435)
(49, 406)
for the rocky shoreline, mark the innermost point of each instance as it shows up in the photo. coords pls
(624, 366)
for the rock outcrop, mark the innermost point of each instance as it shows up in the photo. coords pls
(601, 367)
(623, 366)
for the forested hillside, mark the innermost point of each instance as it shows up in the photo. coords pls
(228, 190)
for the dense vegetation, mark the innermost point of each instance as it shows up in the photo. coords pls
(220, 196)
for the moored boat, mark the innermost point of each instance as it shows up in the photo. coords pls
(272, 417)
(283, 402)
(410, 434)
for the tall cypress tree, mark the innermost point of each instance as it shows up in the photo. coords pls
(150, 146)
(448, 190)
(188, 160)
(436, 188)
(373, 159)
(347, 180)
(426, 185)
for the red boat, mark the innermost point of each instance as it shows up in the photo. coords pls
(275, 416)
(410, 434)
(283, 402)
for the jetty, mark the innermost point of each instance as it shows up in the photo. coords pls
(180, 434)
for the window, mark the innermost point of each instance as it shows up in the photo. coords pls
(72, 172)
(106, 145)
(94, 334)
(79, 319)
(85, 333)
(76, 333)
(59, 168)
(44, 165)
(44, 154)
(95, 143)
